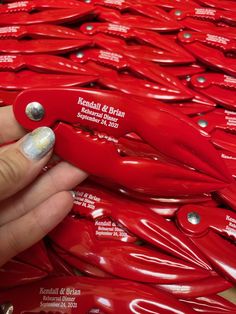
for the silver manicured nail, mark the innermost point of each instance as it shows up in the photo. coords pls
(38, 143)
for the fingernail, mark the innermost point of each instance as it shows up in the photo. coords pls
(38, 143)
(73, 193)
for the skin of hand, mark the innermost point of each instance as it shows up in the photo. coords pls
(31, 205)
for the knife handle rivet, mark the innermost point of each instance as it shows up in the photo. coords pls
(34, 111)
(201, 79)
(89, 27)
(187, 35)
(80, 54)
(202, 123)
(194, 218)
(87, 1)
(178, 12)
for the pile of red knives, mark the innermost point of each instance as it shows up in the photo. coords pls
(141, 94)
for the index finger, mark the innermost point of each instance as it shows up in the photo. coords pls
(10, 129)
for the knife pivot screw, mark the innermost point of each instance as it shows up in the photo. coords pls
(34, 111)
(178, 12)
(201, 79)
(194, 218)
(89, 27)
(202, 123)
(80, 54)
(187, 35)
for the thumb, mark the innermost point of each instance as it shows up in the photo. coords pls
(22, 161)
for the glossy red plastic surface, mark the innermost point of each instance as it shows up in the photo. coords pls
(41, 63)
(217, 119)
(222, 4)
(79, 295)
(129, 84)
(122, 259)
(15, 273)
(228, 195)
(36, 256)
(38, 31)
(28, 6)
(29, 79)
(122, 116)
(211, 228)
(215, 15)
(219, 87)
(129, 6)
(96, 203)
(211, 304)
(145, 69)
(47, 16)
(199, 45)
(140, 22)
(172, 52)
(198, 288)
(35, 46)
(80, 266)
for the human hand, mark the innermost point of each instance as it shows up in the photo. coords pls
(30, 205)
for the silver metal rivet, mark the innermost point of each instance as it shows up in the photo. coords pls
(89, 27)
(35, 111)
(203, 123)
(201, 79)
(87, 1)
(187, 35)
(178, 12)
(80, 54)
(194, 218)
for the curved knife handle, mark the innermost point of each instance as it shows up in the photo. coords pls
(222, 42)
(210, 14)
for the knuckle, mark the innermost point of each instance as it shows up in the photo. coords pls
(13, 242)
(12, 168)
